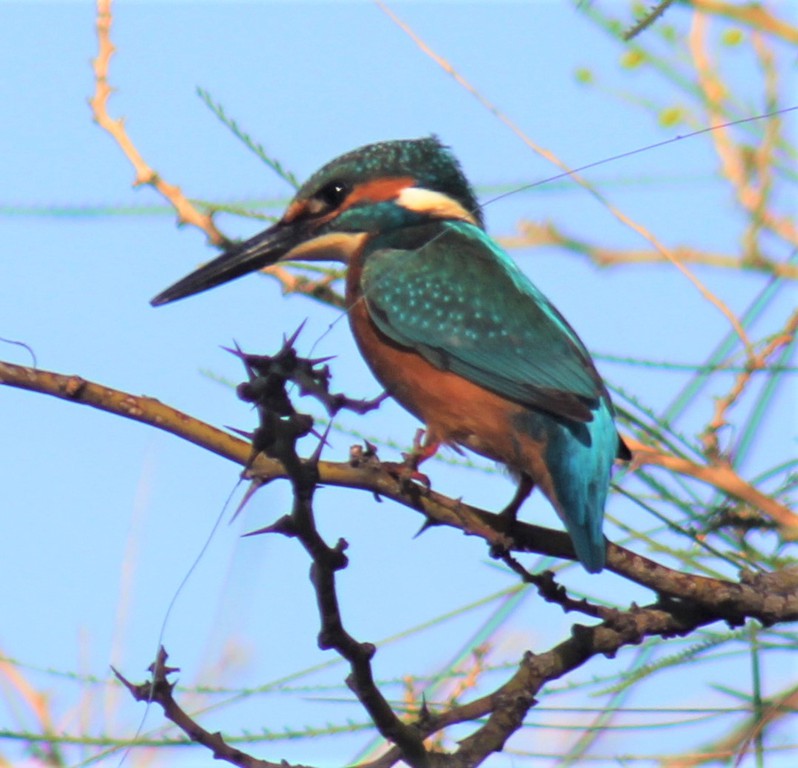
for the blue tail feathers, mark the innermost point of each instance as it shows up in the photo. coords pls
(579, 458)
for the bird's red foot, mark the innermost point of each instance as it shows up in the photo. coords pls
(407, 470)
(405, 473)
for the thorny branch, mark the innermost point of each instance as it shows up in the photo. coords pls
(159, 690)
(281, 426)
(364, 472)
(685, 602)
(651, 15)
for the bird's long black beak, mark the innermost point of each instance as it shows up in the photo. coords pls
(264, 249)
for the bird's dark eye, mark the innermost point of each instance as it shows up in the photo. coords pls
(333, 194)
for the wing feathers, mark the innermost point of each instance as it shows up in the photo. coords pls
(449, 292)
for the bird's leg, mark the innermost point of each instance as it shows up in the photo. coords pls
(509, 514)
(424, 447)
(525, 486)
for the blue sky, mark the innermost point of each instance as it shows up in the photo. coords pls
(104, 518)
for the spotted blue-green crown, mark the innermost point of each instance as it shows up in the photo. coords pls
(429, 162)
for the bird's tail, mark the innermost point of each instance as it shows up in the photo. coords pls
(579, 458)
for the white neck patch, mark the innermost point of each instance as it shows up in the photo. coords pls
(433, 204)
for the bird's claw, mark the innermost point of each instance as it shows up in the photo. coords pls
(406, 472)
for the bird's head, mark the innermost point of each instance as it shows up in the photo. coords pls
(368, 191)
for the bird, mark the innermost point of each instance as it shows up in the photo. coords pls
(449, 324)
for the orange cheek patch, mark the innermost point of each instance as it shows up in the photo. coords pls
(378, 190)
(294, 211)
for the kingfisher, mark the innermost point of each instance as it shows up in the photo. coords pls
(449, 324)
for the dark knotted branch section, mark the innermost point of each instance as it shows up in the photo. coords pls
(279, 430)
(159, 691)
(281, 426)
(684, 602)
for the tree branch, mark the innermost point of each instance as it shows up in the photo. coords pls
(533, 234)
(752, 15)
(685, 601)
(739, 599)
(159, 690)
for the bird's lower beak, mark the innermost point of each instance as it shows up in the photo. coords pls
(264, 249)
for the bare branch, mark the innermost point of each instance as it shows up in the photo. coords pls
(280, 429)
(740, 599)
(724, 404)
(752, 15)
(187, 212)
(534, 234)
(159, 690)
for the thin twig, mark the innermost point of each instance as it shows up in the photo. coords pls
(721, 476)
(187, 212)
(759, 362)
(752, 15)
(546, 233)
(731, 155)
(648, 19)
(159, 690)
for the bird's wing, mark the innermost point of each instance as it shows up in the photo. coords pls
(453, 295)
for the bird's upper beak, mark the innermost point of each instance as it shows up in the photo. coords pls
(264, 249)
